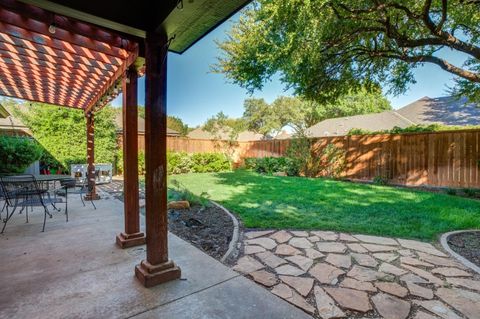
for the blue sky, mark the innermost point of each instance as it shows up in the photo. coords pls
(195, 94)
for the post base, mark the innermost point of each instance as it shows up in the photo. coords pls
(130, 240)
(151, 275)
(92, 197)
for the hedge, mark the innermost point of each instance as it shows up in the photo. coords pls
(17, 153)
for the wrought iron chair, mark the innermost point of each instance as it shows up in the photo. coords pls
(71, 186)
(23, 191)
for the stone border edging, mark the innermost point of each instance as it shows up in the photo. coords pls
(461, 259)
(235, 235)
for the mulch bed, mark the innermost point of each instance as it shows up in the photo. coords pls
(207, 228)
(467, 245)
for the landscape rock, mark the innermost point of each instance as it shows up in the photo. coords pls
(451, 272)
(424, 274)
(391, 269)
(413, 278)
(438, 308)
(414, 262)
(357, 248)
(466, 302)
(313, 239)
(390, 307)
(406, 252)
(424, 315)
(264, 277)
(326, 306)
(365, 274)
(347, 237)
(181, 204)
(387, 257)
(313, 254)
(299, 233)
(465, 283)
(255, 234)
(374, 248)
(350, 298)
(325, 273)
(301, 284)
(439, 261)
(342, 261)
(326, 235)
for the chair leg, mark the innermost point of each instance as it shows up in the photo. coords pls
(7, 219)
(45, 218)
(81, 198)
(95, 207)
(66, 203)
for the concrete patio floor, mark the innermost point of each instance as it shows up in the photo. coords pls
(74, 270)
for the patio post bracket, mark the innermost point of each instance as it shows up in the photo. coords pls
(132, 235)
(157, 268)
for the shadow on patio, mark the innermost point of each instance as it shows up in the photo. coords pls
(75, 270)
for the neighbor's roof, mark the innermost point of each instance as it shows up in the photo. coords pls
(245, 136)
(284, 135)
(443, 110)
(371, 122)
(141, 125)
(13, 125)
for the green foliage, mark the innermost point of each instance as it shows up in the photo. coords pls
(180, 162)
(17, 153)
(470, 192)
(61, 132)
(414, 129)
(176, 123)
(325, 49)
(179, 193)
(271, 165)
(299, 114)
(451, 191)
(141, 162)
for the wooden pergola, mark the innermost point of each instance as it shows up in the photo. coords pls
(82, 54)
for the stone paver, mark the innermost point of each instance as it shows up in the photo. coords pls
(326, 306)
(289, 270)
(301, 261)
(358, 285)
(285, 292)
(419, 291)
(451, 272)
(264, 277)
(341, 261)
(331, 247)
(438, 308)
(252, 249)
(466, 302)
(281, 236)
(376, 240)
(364, 260)
(387, 257)
(392, 288)
(255, 234)
(338, 275)
(270, 259)
(247, 264)
(265, 242)
(286, 250)
(350, 298)
(391, 307)
(300, 242)
(325, 273)
(301, 284)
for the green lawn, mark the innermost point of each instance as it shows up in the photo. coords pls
(302, 203)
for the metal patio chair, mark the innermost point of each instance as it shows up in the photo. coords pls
(72, 186)
(23, 191)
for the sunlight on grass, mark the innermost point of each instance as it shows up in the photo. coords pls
(305, 203)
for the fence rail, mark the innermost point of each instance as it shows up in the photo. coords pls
(449, 159)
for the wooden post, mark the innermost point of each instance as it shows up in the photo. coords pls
(157, 268)
(91, 194)
(132, 235)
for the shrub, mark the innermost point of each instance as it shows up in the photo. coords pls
(470, 192)
(17, 153)
(270, 165)
(180, 163)
(141, 163)
(451, 191)
(380, 180)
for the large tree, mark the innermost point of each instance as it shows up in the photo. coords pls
(299, 114)
(326, 48)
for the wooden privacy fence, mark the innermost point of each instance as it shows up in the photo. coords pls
(450, 158)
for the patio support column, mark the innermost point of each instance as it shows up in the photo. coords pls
(156, 268)
(90, 119)
(132, 235)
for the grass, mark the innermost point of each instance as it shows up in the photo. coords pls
(303, 203)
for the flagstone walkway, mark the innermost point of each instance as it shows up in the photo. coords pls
(337, 275)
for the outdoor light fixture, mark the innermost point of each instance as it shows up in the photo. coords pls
(52, 28)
